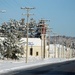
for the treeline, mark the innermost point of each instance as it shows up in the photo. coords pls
(63, 40)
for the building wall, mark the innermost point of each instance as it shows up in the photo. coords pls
(37, 52)
(60, 51)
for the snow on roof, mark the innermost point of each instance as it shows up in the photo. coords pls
(31, 41)
(57, 45)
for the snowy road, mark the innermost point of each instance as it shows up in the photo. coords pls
(64, 68)
(13, 68)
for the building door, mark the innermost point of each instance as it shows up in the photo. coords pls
(31, 51)
(36, 53)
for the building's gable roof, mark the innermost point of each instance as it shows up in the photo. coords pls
(31, 41)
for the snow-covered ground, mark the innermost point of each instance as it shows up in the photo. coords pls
(11, 65)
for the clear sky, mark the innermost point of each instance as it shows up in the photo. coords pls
(61, 13)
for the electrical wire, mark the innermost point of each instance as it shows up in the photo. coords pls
(11, 4)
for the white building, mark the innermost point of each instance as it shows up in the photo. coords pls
(60, 51)
(36, 48)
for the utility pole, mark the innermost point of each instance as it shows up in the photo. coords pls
(44, 36)
(49, 31)
(54, 45)
(27, 9)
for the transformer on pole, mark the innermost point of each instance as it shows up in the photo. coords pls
(27, 9)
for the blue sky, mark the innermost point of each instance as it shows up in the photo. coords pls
(61, 13)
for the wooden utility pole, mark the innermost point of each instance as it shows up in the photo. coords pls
(44, 28)
(54, 45)
(27, 9)
(49, 31)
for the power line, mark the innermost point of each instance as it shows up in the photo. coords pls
(16, 2)
(2, 11)
(30, 3)
(27, 9)
(7, 4)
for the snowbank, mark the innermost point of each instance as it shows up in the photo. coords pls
(6, 66)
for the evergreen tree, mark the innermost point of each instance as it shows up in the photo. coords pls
(9, 47)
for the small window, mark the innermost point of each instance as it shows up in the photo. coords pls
(36, 53)
(31, 51)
